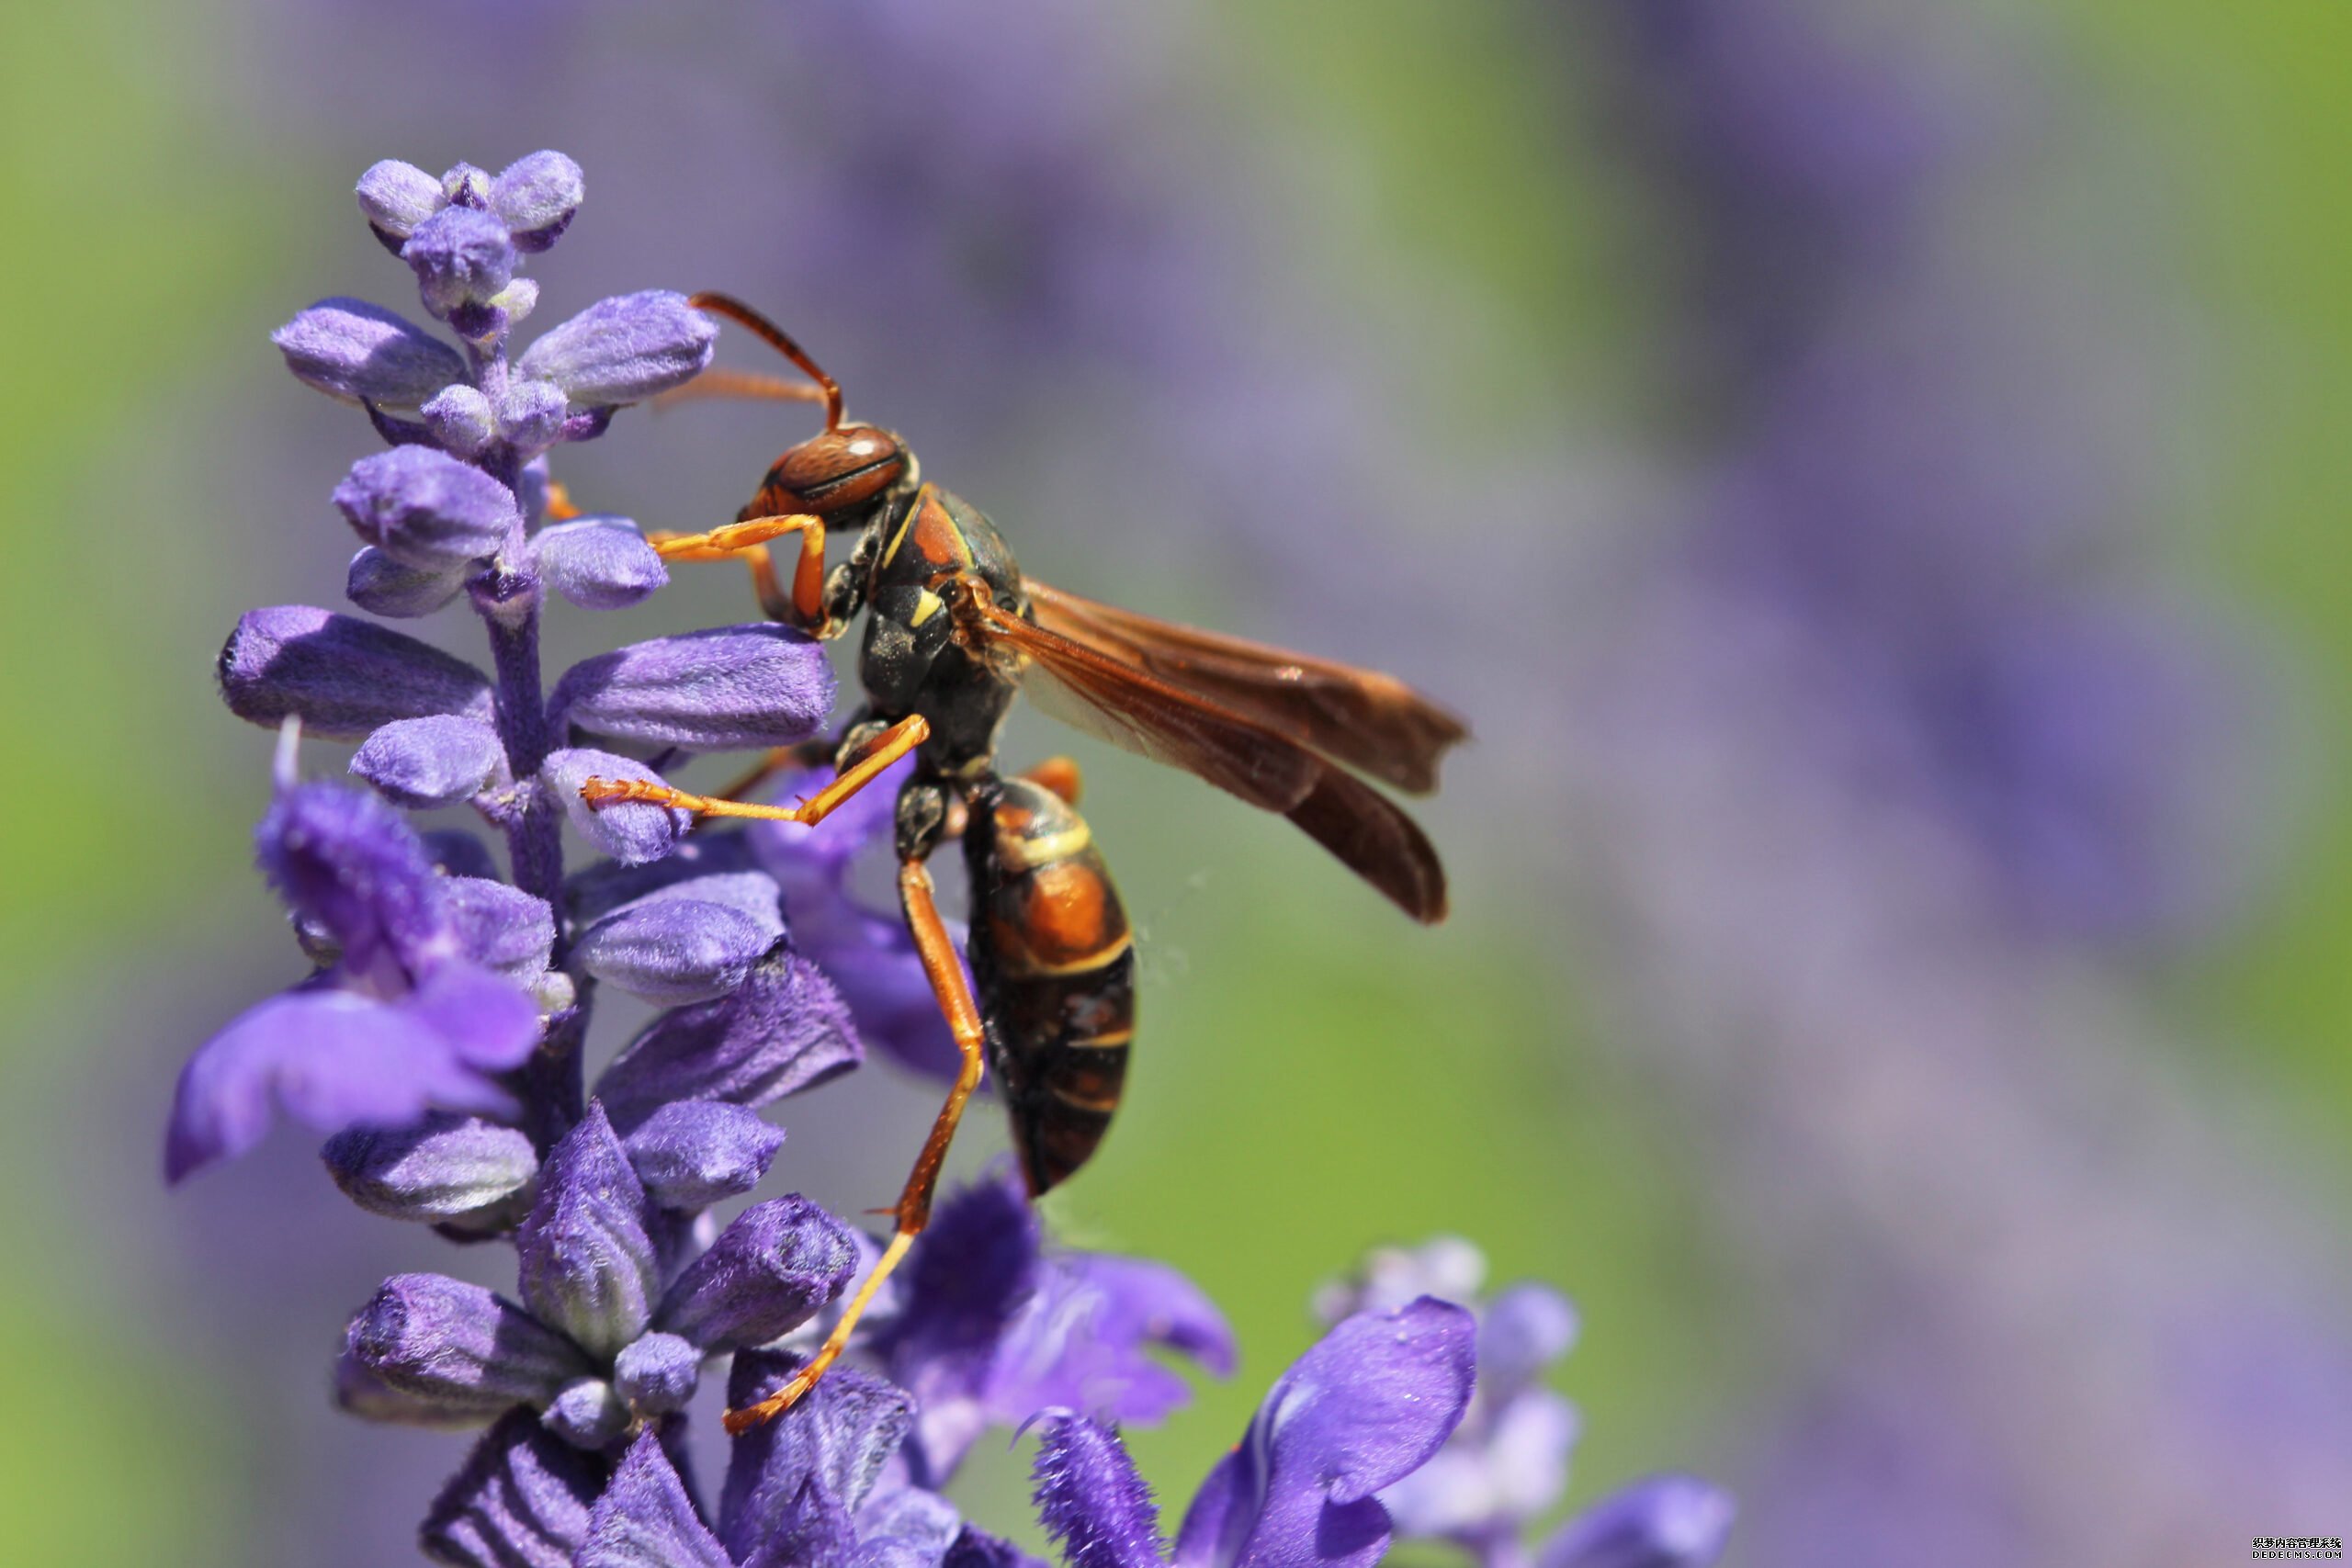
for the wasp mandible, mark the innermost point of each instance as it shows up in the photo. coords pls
(954, 632)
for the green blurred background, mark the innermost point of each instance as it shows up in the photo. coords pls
(1317, 1078)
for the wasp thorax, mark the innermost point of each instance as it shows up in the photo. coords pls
(843, 468)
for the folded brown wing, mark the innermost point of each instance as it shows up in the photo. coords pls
(1140, 712)
(1363, 717)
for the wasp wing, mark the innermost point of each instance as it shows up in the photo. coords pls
(1140, 712)
(1363, 717)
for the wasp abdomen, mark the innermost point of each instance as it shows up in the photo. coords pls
(1055, 962)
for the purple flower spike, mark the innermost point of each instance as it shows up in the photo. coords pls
(729, 688)
(782, 1030)
(766, 1274)
(425, 509)
(474, 1174)
(693, 1153)
(1091, 1499)
(461, 256)
(459, 1346)
(645, 1519)
(521, 1501)
(657, 1374)
(535, 198)
(598, 563)
(824, 1458)
(1362, 1409)
(440, 760)
(342, 676)
(1672, 1521)
(588, 1266)
(624, 350)
(460, 419)
(499, 926)
(396, 197)
(364, 354)
(631, 833)
(381, 586)
(672, 951)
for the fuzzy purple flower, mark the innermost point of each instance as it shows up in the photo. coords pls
(1364, 1408)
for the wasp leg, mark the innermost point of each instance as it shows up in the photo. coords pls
(746, 385)
(1057, 775)
(913, 1211)
(806, 606)
(896, 743)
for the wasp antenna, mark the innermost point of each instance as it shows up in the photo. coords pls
(735, 311)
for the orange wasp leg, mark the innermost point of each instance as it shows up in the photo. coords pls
(913, 1211)
(894, 743)
(806, 607)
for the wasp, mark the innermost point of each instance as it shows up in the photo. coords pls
(955, 630)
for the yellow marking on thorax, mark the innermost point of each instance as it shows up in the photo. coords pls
(914, 510)
(1028, 854)
(927, 604)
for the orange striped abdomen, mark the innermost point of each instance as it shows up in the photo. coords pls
(1055, 962)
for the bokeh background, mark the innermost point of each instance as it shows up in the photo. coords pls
(1874, 475)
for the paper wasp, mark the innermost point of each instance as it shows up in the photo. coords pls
(953, 631)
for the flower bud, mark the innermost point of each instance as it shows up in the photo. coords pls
(535, 198)
(1668, 1521)
(672, 949)
(382, 586)
(631, 832)
(624, 349)
(782, 1030)
(691, 1154)
(499, 926)
(729, 688)
(766, 1274)
(396, 197)
(426, 509)
(530, 414)
(587, 1265)
(657, 1374)
(461, 256)
(439, 759)
(453, 1169)
(363, 353)
(459, 1346)
(587, 1414)
(460, 419)
(598, 563)
(342, 676)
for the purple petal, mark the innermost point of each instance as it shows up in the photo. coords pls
(396, 197)
(1091, 1498)
(363, 353)
(382, 586)
(631, 833)
(461, 256)
(1487, 1485)
(1366, 1405)
(645, 1519)
(782, 1030)
(766, 1274)
(657, 1374)
(675, 951)
(451, 1168)
(342, 676)
(499, 926)
(587, 1265)
(1670, 1521)
(536, 197)
(328, 1058)
(484, 1020)
(598, 563)
(342, 859)
(907, 1523)
(976, 1267)
(693, 1153)
(835, 1441)
(1149, 1302)
(460, 420)
(426, 763)
(625, 349)
(521, 1501)
(727, 688)
(459, 1346)
(425, 509)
